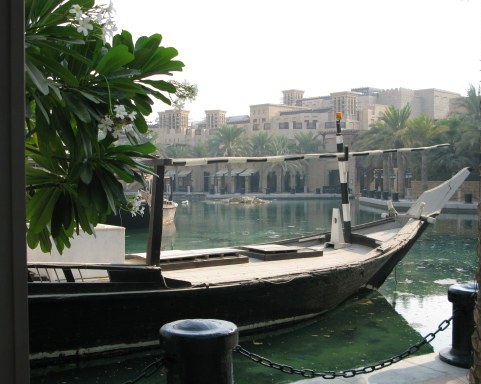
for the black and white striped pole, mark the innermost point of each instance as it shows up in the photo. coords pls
(342, 158)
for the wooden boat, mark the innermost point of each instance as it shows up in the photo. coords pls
(168, 207)
(141, 220)
(256, 286)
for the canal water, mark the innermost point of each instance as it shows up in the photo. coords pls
(362, 331)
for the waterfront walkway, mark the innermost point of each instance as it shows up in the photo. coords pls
(425, 369)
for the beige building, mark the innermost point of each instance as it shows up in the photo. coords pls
(360, 107)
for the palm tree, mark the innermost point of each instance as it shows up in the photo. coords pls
(282, 146)
(202, 150)
(261, 145)
(307, 142)
(471, 104)
(420, 131)
(397, 119)
(228, 141)
(471, 129)
(384, 134)
(178, 151)
(455, 157)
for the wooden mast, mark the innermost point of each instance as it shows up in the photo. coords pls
(342, 158)
(154, 241)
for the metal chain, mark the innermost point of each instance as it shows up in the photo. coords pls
(309, 373)
(149, 370)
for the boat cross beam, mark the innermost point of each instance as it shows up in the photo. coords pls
(189, 162)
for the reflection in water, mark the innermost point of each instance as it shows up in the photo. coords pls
(208, 224)
(360, 332)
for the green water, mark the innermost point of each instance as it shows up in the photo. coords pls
(209, 224)
(364, 330)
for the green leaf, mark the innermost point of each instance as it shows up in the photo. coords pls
(121, 170)
(32, 239)
(114, 60)
(77, 106)
(38, 176)
(124, 38)
(37, 9)
(141, 149)
(161, 85)
(40, 109)
(40, 208)
(144, 49)
(37, 77)
(143, 104)
(45, 242)
(88, 96)
(86, 172)
(63, 48)
(125, 73)
(62, 214)
(161, 62)
(56, 69)
(109, 189)
(98, 196)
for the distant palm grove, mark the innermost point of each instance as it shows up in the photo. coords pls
(394, 129)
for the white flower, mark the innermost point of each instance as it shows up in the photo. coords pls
(107, 32)
(135, 205)
(110, 8)
(120, 111)
(132, 115)
(85, 26)
(102, 134)
(99, 18)
(106, 123)
(77, 10)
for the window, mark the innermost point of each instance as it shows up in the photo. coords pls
(297, 125)
(284, 125)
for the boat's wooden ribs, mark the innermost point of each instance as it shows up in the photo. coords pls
(75, 273)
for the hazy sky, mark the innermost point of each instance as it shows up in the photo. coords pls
(246, 52)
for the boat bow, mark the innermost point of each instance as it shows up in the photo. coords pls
(431, 202)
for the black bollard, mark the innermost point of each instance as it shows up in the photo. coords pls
(463, 298)
(199, 351)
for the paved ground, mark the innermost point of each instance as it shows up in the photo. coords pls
(425, 369)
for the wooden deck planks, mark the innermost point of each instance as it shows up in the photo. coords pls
(272, 269)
